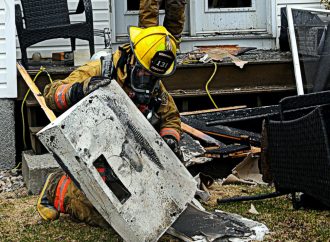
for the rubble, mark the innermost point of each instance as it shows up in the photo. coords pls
(10, 180)
(12, 184)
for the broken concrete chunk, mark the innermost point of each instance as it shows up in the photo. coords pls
(151, 188)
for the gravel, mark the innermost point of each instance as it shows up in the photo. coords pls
(12, 184)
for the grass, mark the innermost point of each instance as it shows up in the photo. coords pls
(284, 222)
(19, 220)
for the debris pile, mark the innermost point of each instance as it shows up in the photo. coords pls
(216, 53)
(222, 134)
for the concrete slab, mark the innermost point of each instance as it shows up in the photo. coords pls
(146, 186)
(35, 169)
(7, 134)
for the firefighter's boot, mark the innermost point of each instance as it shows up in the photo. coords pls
(45, 207)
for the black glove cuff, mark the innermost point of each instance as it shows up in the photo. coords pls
(76, 93)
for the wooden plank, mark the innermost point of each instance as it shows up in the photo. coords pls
(200, 135)
(239, 154)
(254, 150)
(212, 110)
(35, 90)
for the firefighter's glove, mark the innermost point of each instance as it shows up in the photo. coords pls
(94, 83)
(76, 93)
(67, 95)
(174, 145)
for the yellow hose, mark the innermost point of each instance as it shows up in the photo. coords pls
(208, 82)
(42, 69)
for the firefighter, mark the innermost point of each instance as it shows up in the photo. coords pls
(174, 15)
(138, 68)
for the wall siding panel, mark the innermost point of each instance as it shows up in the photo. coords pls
(8, 83)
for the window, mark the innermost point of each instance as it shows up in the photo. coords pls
(229, 3)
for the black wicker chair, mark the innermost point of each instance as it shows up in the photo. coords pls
(299, 148)
(50, 19)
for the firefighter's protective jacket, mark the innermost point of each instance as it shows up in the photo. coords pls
(169, 124)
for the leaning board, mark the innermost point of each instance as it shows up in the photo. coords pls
(107, 126)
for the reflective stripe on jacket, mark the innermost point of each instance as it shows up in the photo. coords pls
(61, 190)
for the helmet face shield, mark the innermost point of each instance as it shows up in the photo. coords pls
(143, 84)
(141, 80)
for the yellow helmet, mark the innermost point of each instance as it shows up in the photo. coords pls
(154, 49)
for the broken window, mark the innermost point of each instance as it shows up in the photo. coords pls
(110, 178)
(229, 3)
(310, 44)
(134, 5)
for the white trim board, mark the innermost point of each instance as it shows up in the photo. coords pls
(8, 76)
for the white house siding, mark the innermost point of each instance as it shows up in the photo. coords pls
(296, 3)
(7, 50)
(101, 20)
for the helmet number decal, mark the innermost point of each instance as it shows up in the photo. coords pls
(162, 61)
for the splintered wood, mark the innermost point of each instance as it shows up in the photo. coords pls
(234, 138)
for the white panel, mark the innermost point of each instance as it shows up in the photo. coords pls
(2, 45)
(3, 61)
(8, 80)
(2, 30)
(3, 82)
(2, 16)
(253, 18)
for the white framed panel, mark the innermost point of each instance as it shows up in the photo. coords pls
(222, 20)
(8, 76)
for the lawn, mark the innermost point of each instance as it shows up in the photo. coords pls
(19, 220)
